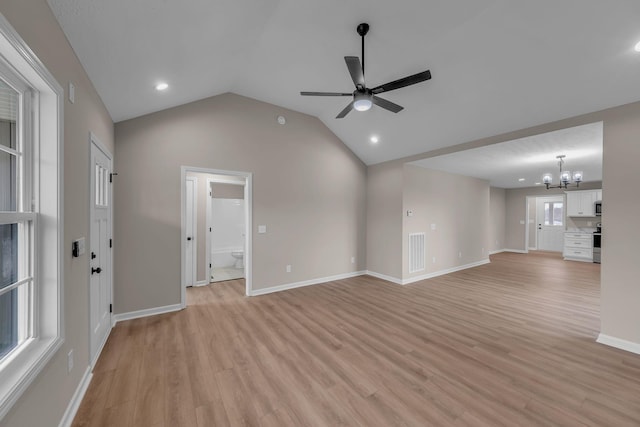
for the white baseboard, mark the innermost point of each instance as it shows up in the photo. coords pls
(517, 251)
(426, 276)
(74, 404)
(201, 283)
(279, 288)
(385, 277)
(629, 346)
(499, 251)
(443, 272)
(146, 312)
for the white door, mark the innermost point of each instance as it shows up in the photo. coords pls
(191, 224)
(100, 250)
(550, 214)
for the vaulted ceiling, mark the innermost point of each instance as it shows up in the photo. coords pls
(497, 65)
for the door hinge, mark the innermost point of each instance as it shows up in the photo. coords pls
(111, 176)
(209, 265)
(110, 243)
(110, 308)
(209, 229)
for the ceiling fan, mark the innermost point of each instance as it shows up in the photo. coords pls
(363, 97)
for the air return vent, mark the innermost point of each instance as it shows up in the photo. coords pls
(416, 252)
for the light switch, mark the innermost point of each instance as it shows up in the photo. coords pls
(433, 226)
(262, 229)
(77, 247)
(409, 212)
(522, 222)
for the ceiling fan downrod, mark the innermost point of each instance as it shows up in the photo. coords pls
(363, 29)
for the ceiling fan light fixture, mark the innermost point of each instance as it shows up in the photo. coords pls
(362, 102)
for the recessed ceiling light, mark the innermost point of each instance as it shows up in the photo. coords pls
(538, 183)
(637, 48)
(162, 86)
(374, 139)
(520, 179)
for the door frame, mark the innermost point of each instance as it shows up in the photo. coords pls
(248, 212)
(94, 141)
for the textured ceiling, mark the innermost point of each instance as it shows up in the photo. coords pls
(529, 158)
(497, 65)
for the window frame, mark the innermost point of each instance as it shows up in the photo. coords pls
(42, 133)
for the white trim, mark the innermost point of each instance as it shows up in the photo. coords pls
(517, 251)
(384, 277)
(207, 233)
(499, 251)
(625, 345)
(294, 285)
(74, 404)
(443, 272)
(201, 283)
(194, 238)
(48, 137)
(146, 312)
(428, 275)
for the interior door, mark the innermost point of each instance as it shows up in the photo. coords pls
(550, 217)
(100, 250)
(190, 229)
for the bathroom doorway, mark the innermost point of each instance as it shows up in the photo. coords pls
(225, 229)
(222, 195)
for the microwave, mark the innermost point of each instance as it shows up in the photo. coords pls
(598, 208)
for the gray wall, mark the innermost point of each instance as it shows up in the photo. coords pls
(497, 218)
(458, 206)
(308, 189)
(44, 403)
(384, 219)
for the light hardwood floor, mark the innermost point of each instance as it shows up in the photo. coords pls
(511, 343)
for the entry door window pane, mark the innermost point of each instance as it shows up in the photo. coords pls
(553, 213)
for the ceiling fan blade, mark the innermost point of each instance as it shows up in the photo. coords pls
(406, 81)
(325, 94)
(387, 105)
(355, 69)
(345, 111)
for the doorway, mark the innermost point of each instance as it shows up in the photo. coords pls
(550, 223)
(100, 243)
(225, 228)
(202, 248)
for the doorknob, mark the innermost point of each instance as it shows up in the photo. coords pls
(96, 270)
(188, 238)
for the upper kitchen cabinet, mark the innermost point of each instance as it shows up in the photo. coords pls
(582, 203)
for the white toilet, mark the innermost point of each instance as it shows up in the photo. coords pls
(239, 256)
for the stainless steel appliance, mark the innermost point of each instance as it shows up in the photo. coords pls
(597, 248)
(599, 208)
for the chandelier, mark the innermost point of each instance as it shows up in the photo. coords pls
(565, 176)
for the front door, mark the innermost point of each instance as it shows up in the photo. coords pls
(550, 223)
(100, 250)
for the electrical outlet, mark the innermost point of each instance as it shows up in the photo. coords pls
(70, 361)
(434, 260)
(353, 260)
(409, 212)
(459, 254)
(482, 251)
(288, 268)
(433, 226)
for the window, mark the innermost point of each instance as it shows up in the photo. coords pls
(16, 226)
(30, 217)
(554, 213)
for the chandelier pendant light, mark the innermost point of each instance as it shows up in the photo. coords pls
(565, 176)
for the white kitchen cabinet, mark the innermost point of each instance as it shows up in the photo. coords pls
(582, 203)
(578, 247)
